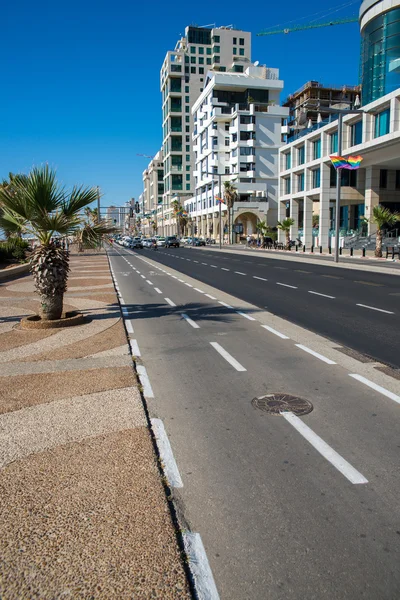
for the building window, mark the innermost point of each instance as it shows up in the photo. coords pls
(246, 151)
(201, 50)
(241, 51)
(288, 160)
(222, 69)
(187, 70)
(187, 99)
(300, 155)
(176, 68)
(226, 170)
(234, 41)
(317, 150)
(208, 50)
(188, 187)
(187, 167)
(201, 70)
(193, 60)
(187, 176)
(186, 59)
(287, 185)
(300, 182)
(217, 59)
(175, 84)
(383, 179)
(192, 49)
(217, 49)
(241, 41)
(227, 126)
(187, 138)
(187, 118)
(347, 178)
(201, 60)
(186, 89)
(209, 61)
(187, 157)
(382, 123)
(193, 69)
(188, 148)
(235, 51)
(187, 109)
(356, 133)
(334, 141)
(215, 125)
(316, 178)
(187, 129)
(216, 39)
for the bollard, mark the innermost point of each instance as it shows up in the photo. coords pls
(304, 247)
(312, 249)
(351, 251)
(330, 250)
(363, 252)
(340, 251)
(320, 249)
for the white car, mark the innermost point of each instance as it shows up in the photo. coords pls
(161, 241)
(147, 243)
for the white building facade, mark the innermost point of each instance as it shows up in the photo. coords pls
(182, 80)
(153, 190)
(307, 180)
(237, 134)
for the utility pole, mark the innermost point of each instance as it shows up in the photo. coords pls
(98, 205)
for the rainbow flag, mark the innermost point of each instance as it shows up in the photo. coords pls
(353, 162)
(219, 199)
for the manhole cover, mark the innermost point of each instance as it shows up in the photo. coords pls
(274, 404)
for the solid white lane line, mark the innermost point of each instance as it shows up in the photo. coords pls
(134, 348)
(169, 302)
(144, 380)
(328, 361)
(167, 456)
(388, 312)
(190, 321)
(149, 282)
(200, 567)
(275, 332)
(158, 291)
(225, 304)
(260, 278)
(325, 450)
(224, 269)
(323, 295)
(239, 273)
(376, 387)
(287, 285)
(228, 357)
(188, 284)
(128, 325)
(197, 290)
(242, 314)
(209, 296)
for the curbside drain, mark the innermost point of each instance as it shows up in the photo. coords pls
(275, 404)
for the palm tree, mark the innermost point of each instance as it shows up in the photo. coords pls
(382, 216)
(285, 226)
(230, 197)
(180, 215)
(38, 206)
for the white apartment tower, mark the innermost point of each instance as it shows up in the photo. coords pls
(153, 190)
(183, 74)
(237, 134)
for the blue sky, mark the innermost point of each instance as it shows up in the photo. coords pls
(80, 79)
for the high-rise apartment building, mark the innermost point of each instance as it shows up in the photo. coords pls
(182, 80)
(153, 190)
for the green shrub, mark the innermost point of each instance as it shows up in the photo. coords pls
(14, 248)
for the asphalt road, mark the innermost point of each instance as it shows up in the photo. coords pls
(279, 518)
(318, 297)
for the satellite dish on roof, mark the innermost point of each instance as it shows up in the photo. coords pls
(256, 63)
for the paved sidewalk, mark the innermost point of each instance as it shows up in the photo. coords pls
(83, 511)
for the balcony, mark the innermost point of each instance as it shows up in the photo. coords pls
(176, 128)
(176, 168)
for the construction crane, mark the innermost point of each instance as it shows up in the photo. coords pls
(310, 26)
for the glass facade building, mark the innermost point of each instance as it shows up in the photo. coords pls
(380, 50)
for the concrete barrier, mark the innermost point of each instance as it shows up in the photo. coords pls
(14, 271)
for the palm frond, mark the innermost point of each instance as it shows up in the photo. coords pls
(11, 222)
(56, 222)
(90, 235)
(78, 199)
(41, 190)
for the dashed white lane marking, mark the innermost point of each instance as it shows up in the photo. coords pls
(325, 450)
(144, 380)
(224, 269)
(169, 302)
(388, 312)
(173, 276)
(376, 387)
(275, 332)
(188, 284)
(134, 348)
(328, 361)
(167, 456)
(181, 280)
(204, 264)
(197, 290)
(260, 278)
(214, 266)
(121, 300)
(158, 291)
(190, 321)
(129, 327)
(149, 282)
(239, 273)
(323, 295)
(242, 314)
(196, 261)
(209, 296)
(228, 357)
(143, 277)
(200, 567)
(225, 304)
(287, 285)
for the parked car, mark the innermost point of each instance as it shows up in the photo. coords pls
(210, 241)
(147, 243)
(171, 241)
(136, 244)
(198, 242)
(161, 241)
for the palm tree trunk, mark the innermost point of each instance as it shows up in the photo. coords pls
(229, 224)
(287, 239)
(51, 307)
(378, 247)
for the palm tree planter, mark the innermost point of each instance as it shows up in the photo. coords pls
(37, 205)
(285, 226)
(382, 216)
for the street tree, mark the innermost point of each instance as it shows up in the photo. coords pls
(285, 226)
(230, 197)
(382, 216)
